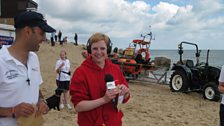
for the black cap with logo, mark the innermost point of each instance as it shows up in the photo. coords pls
(32, 19)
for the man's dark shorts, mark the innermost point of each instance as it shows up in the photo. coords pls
(221, 114)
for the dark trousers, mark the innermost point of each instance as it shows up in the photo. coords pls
(76, 42)
(221, 115)
(52, 41)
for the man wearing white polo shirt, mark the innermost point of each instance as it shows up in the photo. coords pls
(221, 90)
(20, 75)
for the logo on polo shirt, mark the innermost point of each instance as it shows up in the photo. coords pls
(34, 69)
(11, 74)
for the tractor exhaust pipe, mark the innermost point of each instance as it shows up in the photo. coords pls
(207, 57)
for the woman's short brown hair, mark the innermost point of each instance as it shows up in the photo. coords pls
(97, 37)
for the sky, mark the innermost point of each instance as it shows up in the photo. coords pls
(170, 21)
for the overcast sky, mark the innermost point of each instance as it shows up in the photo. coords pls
(171, 21)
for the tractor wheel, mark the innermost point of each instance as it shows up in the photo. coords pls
(178, 81)
(210, 91)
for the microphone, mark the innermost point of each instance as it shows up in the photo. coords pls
(110, 83)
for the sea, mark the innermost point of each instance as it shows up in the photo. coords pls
(216, 57)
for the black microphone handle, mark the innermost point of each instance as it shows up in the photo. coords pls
(114, 103)
(113, 100)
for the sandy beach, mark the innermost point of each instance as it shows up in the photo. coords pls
(151, 104)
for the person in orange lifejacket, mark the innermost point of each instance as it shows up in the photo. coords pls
(142, 59)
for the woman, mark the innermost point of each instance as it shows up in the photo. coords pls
(63, 78)
(93, 102)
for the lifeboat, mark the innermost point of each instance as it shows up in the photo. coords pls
(129, 65)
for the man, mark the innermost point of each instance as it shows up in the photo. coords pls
(59, 37)
(52, 39)
(20, 70)
(221, 90)
(76, 39)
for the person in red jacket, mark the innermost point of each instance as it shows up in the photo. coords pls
(89, 94)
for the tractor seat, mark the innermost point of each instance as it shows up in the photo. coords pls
(189, 63)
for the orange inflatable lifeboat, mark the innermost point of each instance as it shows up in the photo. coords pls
(128, 65)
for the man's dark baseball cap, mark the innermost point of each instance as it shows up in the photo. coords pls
(32, 19)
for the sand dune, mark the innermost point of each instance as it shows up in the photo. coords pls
(150, 105)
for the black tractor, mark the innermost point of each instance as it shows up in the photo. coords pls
(199, 77)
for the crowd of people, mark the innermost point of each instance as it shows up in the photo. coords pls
(57, 37)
